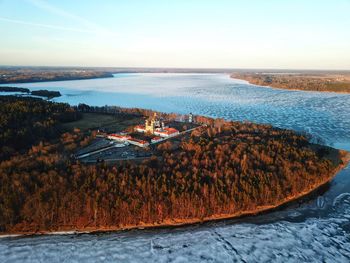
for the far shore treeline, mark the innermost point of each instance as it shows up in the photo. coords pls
(34, 74)
(223, 168)
(317, 81)
(41, 93)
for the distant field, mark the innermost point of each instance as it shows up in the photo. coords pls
(110, 123)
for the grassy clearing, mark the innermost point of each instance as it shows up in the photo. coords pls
(110, 123)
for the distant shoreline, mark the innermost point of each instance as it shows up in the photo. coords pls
(289, 82)
(170, 223)
(63, 78)
(252, 77)
(276, 88)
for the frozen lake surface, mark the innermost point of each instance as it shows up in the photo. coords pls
(326, 115)
(318, 230)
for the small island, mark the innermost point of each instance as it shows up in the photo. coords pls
(46, 93)
(40, 93)
(307, 81)
(13, 89)
(170, 169)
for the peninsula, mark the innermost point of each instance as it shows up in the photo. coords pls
(313, 81)
(189, 169)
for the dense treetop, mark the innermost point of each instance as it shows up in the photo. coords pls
(221, 169)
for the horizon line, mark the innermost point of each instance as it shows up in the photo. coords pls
(169, 68)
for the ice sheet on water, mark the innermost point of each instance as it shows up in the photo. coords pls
(314, 240)
(326, 115)
(321, 238)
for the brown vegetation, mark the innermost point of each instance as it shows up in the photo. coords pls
(226, 168)
(310, 82)
(22, 75)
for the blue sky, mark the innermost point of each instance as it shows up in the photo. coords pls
(176, 33)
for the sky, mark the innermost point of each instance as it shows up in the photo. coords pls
(282, 34)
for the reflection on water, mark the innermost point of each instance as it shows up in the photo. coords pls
(318, 230)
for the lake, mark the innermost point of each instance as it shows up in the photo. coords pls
(316, 230)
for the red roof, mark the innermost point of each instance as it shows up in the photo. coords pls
(138, 141)
(171, 130)
(167, 131)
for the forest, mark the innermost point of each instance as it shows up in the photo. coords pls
(322, 81)
(41, 93)
(46, 93)
(26, 121)
(37, 74)
(222, 168)
(13, 89)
